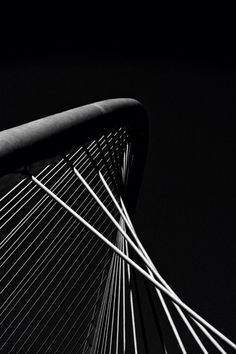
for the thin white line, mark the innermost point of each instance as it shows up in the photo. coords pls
(129, 224)
(59, 304)
(44, 228)
(214, 342)
(30, 190)
(151, 267)
(74, 250)
(118, 297)
(107, 320)
(78, 339)
(123, 298)
(137, 267)
(11, 190)
(166, 310)
(113, 309)
(57, 296)
(42, 200)
(31, 275)
(131, 301)
(81, 313)
(99, 320)
(93, 315)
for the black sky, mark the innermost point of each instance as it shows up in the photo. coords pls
(184, 72)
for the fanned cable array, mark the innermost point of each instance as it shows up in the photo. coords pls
(53, 269)
(72, 262)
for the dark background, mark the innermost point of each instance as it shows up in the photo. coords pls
(184, 72)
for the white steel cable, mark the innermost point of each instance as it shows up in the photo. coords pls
(131, 300)
(74, 250)
(113, 309)
(84, 201)
(92, 318)
(27, 278)
(128, 222)
(109, 296)
(12, 189)
(109, 309)
(75, 299)
(140, 253)
(115, 153)
(118, 296)
(81, 335)
(208, 335)
(105, 294)
(137, 267)
(38, 204)
(25, 194)
(85, 313)
(90, 326)
(123, 299)
(39, 214)
(151, 267)
(58, 294)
